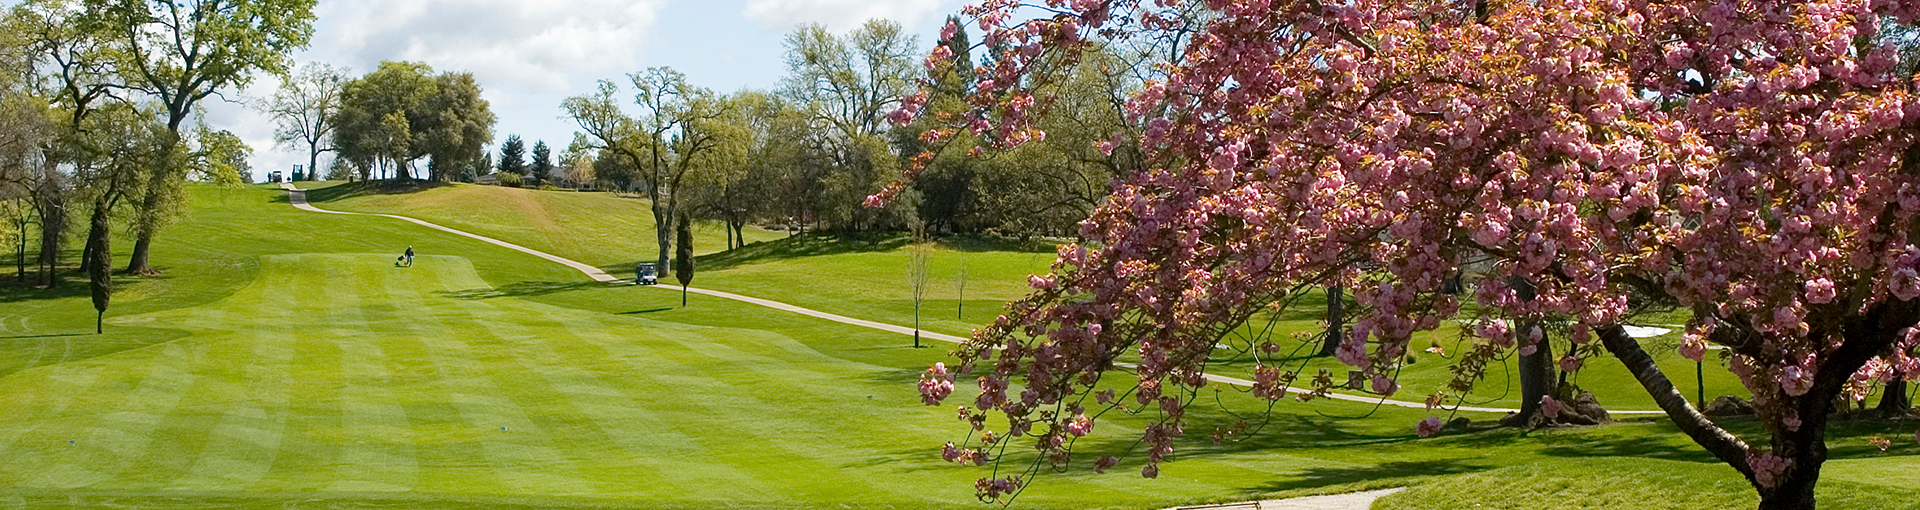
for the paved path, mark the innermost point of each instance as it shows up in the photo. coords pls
(299, 199)
(1349, 501)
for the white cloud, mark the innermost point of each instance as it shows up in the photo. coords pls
(837, 15)
(542, 45)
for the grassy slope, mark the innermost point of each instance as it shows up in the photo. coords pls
(868, 279)
(596, 228)
(288, 353)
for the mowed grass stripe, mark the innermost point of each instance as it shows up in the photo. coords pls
(591, 403)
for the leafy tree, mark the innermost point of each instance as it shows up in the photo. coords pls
(222, 157)
(1605, 164)
(181, 52)
(74, 55)
(542, 163)
(454, 126)
(304, 108)
(847, 85)
(683, 255)
(365, 130)
(513, 156)
(116, 152)
(678, 125)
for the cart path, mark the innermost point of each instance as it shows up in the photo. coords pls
(299, 199)
(1348, 501)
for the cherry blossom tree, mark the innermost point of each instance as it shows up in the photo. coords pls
(1751, 162)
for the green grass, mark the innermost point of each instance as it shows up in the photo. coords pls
(604, 230)
(284, 362)
(867, 278)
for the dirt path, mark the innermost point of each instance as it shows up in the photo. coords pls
(299, 199)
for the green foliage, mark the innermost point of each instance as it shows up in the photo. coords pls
(513, 157)
(511, 180)
(458, 124)
(402, 112)
(221, 158)
(683, 251)
(542, 165)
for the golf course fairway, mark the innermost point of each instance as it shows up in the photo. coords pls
(286, 362)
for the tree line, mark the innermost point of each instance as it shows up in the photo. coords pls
(95, 102)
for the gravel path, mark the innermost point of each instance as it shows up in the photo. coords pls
(299, 199)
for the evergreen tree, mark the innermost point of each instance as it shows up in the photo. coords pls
(683, 256)
(542, 163)
(513, 156)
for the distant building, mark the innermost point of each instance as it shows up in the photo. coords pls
(275, 176)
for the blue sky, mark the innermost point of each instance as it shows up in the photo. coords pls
(531, 54)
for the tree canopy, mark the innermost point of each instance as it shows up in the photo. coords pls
(1750, 165)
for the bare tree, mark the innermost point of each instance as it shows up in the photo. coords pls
(917, 254)
(304, 108)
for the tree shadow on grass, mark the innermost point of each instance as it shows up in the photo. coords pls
(361, 188)
(793, 247)
(1325, 476)
(13, 292)
(651, 310)
(521, 289)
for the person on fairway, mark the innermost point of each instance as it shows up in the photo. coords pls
(409, 256)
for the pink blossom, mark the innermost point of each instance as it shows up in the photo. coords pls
(1820, 290)
(1767, 468)
(1427, 427)
(1104, 463)
(1551, 407)
(1080, 425)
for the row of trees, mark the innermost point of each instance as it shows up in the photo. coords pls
(380, 124)
(95, 98)
(808, 154)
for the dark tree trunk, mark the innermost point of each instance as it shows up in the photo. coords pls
(1537, 375)
(99, 262)
(662, 229)
(1336, 320)
(53, 222)
(20, 255)
(1537, 369)
(1893, 399)
(142, 246)
(150, 205)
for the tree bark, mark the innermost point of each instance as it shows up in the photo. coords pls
(1537, 369)
(1717, 441)
(1537, 375)
(662, 231)
(1893, 399)
(53, 221)
(1336, 320)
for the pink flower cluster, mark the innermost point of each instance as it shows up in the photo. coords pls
(1767, 468)
(936, 384)
(1751, 169)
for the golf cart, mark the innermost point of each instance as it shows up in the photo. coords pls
(645, 274)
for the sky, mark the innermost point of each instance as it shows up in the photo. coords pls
(529, 55)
